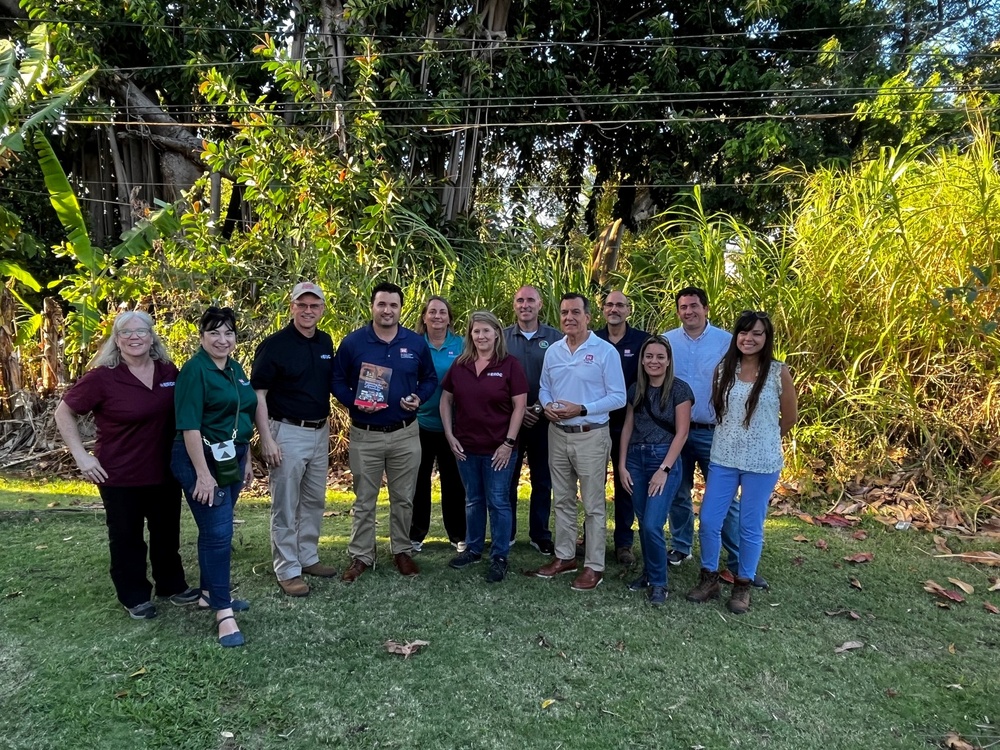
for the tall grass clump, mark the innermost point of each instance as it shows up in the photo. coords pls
(884, 287)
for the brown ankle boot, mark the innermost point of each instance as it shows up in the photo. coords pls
(739, 602)
(707, 588)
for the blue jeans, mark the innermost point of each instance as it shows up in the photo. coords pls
(486, 489)
(698, 450)
(533, 443)
(717, 505)
(642, 461)
(215, 522)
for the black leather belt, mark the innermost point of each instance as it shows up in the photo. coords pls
(313, 423)
(575, 428)
(383, 427)
(702, 426)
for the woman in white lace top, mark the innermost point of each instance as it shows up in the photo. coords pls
(755, 403)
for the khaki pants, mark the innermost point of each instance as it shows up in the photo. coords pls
(298, 496)
(579, 457)
(372, 454)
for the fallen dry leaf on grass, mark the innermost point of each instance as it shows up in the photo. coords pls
(797, 561)
(406, 650)
(994, 584)
(953, 741)
(941, 545)
(933, 587)
(977, 558)
(861, 557)
(800, 538)
(951, 648)
(991, 608)
(139, 672)
(821, 544)
(850, 613)
(855, 583)
(547, 702)
(860, 535)
(891, 693)
(848, 646)
(834, 519)
(331, 513)
(966, 587)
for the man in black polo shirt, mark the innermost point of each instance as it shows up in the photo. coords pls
(291, 375)
(627, 341)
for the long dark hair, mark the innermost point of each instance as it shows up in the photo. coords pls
(725, 373)
(642, 384)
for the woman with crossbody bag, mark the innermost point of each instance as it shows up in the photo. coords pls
(657, 419)
(215, 408)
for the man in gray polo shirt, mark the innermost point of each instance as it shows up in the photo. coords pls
(528, 340)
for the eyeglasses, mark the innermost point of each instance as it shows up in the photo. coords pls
(314, 307)
(127, 333)
(758, 314)
(616, 305)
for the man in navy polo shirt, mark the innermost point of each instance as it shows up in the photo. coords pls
(627, 341)
(381, 374)
(291, 375)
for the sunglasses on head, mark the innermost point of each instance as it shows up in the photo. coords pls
(758, 314)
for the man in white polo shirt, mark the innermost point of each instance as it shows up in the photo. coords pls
(581, 384)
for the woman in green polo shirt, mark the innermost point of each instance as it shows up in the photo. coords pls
(215, 408)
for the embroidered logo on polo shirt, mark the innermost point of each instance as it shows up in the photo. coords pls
(494, 374)
(405, 353)
(589, 359)
(167, 384)
(627, 353)
(243, 382)
(543, 344)
(325, 356)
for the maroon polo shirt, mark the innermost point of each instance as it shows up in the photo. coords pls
(482, 403)
(135, 425)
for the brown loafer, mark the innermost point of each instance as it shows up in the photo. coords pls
(405, 565)
(555, 568)
(321, 570)
(354, 572)
(295, 586)
(588, 580)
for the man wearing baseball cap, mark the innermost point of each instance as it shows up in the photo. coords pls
(291, 374)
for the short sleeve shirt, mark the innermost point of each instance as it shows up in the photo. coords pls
(429, 413)
(207, 399)
(295, 370)
(646, 429)
(135, 424)
(483, 403)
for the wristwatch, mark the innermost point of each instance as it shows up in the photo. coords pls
(583, 410)
(665, 469)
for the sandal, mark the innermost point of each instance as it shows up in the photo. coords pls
(233, 639)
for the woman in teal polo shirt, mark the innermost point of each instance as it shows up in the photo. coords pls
(436, 326)
(215, 407)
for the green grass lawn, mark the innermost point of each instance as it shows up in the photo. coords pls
(524, 664)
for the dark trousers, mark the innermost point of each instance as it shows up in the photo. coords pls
(127, 511)
(533, 443)
(624, 513)
(434, 447)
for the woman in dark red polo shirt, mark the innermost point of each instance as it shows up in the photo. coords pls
(130, 391)
(483, 400)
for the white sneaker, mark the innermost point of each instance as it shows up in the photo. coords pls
(416, 546)
(460, 547)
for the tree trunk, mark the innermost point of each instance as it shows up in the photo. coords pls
(11, 376)
(53, 372)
